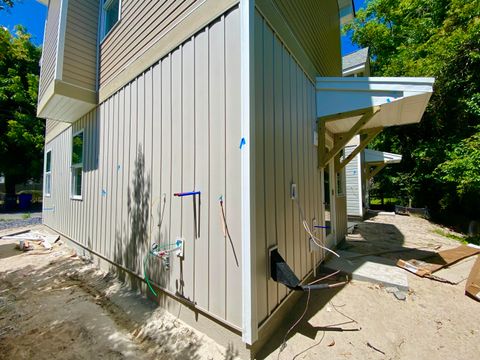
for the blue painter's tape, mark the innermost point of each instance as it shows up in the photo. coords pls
(243, 142)
(49, 209)
(119, 167)
(104, 192)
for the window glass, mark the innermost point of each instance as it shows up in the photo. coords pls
(48, 173)
(77, 165)
(48, 161)
(111, 10)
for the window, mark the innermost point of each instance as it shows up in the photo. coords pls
(47, 182)
(77, 165)
(111, 15)
(341, 183)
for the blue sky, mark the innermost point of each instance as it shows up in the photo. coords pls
(31, 14)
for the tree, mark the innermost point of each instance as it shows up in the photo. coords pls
(21, 132)
(439, 38)
(4, 4)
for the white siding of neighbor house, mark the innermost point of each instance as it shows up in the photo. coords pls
(284, 154)
(353, 184)
(174, 128)
(49, 53)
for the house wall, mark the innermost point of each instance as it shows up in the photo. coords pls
(49, 53)
(80, 50)
(148, 30)
(285, 119)
(174, 128)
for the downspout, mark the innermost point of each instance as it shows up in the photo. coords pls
(249, 295)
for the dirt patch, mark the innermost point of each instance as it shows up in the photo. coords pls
(365, 321)
(54, 305)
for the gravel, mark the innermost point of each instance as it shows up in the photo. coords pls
(10, 224)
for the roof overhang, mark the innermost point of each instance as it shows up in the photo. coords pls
(374, 157)
(401, 101)
(346, 10)
(350, 106)
(44, 2)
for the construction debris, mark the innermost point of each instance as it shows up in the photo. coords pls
(438, 261)
(472, 287)
(26, 237)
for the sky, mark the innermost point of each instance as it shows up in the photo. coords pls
(29, 13)
(32, 15)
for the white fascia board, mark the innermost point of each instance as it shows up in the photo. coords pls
(374, 156)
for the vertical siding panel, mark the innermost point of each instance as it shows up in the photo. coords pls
(93, 206)
(102, 177)
(233, 170)
(109, 193)
(188, 171)
(120, 175)
(261, 261)
(176, 166)
(140, 189)
(297, 266)
(148, 157)
(287, 155)
(116, 176)
(126, 172)
(202, 166)
(269, 166)
(217, 167)
(166, 157)
(280, 189)
(307, 167)
(128, 258)
(157, 203)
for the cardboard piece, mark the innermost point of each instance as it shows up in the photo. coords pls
(427, 266)
(472, 288)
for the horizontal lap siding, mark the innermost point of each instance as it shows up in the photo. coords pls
(80, 53)
(141, 24)
(352, 172)
(284, 123)
(49, 52)
(174, 128)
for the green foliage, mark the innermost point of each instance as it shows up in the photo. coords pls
(21, 132)
(5, 4)
(438, 38)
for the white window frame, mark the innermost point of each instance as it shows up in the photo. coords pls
(74, 167)
(105, 5)
(47, 174)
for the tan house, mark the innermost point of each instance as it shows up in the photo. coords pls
(187, 139)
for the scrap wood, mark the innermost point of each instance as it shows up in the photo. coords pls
(44, 239)
(438, 261)
(472, 288)
(392, 251)
(375, 348)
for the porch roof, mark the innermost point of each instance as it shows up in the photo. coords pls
(373, 157)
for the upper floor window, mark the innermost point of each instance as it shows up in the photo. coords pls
(111, 15)
(77, 165)
(48, 173)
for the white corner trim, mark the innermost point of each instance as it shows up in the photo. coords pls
(62, 27)
(249, 296)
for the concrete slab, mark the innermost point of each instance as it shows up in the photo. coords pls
(372, 269)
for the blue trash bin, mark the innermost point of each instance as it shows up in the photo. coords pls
(24, 201)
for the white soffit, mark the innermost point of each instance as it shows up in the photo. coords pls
(382, 157)
(402, 100)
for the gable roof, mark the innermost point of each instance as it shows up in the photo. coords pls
(355, 59)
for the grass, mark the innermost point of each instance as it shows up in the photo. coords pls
(26, 216)
(387, 201)
(460, 238)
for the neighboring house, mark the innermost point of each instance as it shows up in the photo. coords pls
(237, 105)
(361, 169)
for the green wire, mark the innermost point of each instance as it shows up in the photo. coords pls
(145, 274)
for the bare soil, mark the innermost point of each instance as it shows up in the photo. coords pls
(54, 305)
(364, 321)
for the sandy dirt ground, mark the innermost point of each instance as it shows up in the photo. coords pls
(54, 305)
(364, 321)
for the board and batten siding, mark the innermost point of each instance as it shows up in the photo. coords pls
(174, 128)
(141, 24)
(49, 52)
(284, 154)
(80, 50)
